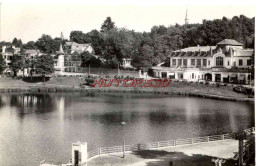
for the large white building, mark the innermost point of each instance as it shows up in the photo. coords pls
(226, 62)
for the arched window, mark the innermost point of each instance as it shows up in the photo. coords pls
(219, 61)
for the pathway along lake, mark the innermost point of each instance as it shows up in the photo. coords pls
(34, 127)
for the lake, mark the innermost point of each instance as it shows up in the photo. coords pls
(34, 127)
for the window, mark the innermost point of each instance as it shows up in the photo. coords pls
(179, 62)
(173, 62)
(180, 75)
(209, 62)
(198, 62)
(204, 62)
(228, 63)
(185, 62)
(240, 62)
(249, 62)
(192, 76)
(193, 62)
(219, 61)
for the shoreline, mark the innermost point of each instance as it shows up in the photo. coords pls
(119, 90)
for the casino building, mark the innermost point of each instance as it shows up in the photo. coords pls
(227, 62)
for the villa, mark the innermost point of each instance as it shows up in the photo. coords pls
(71, 47)
(227, 62)
(8, 50)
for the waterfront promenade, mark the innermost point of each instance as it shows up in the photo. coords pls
(195, 154)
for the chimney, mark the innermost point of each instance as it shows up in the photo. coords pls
(230, 51)
(211, 51)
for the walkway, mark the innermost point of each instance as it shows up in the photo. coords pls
(195, 154)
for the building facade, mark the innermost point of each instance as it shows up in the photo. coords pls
(8, 51)
(71, 47)
(126, 63)
(226, 62)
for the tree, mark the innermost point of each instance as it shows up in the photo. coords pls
(97, 41)
(16, 64)
(14, 41)
(17, 42)
(240, 136)
(89, 59)
(145, 58)
(31, 66)
(2, 64)
(30, 45)
(107, 25)
(77, 36)
(47, 45)
(44, 65)
(26, 64)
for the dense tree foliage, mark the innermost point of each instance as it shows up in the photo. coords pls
(44, 65)
(47, 45)
(17, 42)
(89, 60)
(2, 64)
(107, 25)
(16, 64)
(30, 45)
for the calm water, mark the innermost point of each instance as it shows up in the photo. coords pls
(34, 127)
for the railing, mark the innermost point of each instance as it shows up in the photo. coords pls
(160, 144)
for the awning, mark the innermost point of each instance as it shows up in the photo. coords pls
(241, 77)
(233, 75)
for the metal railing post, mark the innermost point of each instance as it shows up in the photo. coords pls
(99, 151)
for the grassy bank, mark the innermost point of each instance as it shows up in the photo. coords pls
(71, 84)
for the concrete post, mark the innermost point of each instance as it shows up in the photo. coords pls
(213, 77)
(221, 78)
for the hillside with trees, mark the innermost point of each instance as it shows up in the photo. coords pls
(151, 48)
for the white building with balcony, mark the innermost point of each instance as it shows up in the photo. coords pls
(227, 62)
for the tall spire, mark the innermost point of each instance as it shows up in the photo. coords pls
(186, 18)
(61, 36)
(61, 49)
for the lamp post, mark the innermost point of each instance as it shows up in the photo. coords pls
(123, 124)
(118, 69)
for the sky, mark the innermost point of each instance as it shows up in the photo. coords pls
(28, 21)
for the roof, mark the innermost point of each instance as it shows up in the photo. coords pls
(197, 48)
(31, 51)
(77, 44)
(230, 42)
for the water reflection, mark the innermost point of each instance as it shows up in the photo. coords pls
(43, 126)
